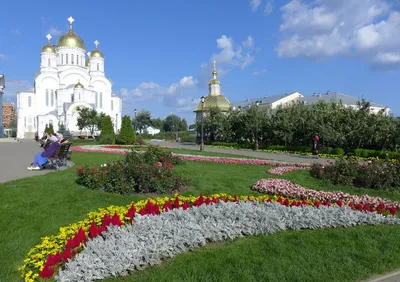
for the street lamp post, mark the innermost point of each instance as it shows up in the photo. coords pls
(257, 104)
(2, 85)
(202, 124)
(134, 123)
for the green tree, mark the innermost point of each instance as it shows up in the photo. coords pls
(126, 135)
(174, 123)
(157, 123)
(46, 128)
(89, 119)
(65, 132)
(142, 121)
(107, 135)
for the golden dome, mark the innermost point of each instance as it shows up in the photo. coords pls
(214, 81)
(48, 48)
(87, 63)
(70, 39)
(212, 101)
(79, 85)
(96, 54)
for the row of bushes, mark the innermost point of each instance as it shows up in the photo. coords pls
(126, 135)
(359, 153)
(148, 172)
(378, 174)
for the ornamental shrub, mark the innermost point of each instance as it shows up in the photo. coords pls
(148, 172)
(107, 130)
(338, 152)
(126, 136)
(378, 174)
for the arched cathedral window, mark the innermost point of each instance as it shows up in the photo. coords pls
(72, 98)
(48, 62)
(29, 101)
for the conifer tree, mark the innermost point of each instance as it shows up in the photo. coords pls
(107, 135)
(126, 136)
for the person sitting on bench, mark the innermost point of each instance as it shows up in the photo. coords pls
(50, 152)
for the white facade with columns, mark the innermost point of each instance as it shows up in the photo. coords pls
(68, 80)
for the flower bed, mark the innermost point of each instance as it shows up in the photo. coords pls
(286, 188)
(102, 149)
(128, 146)
(150, 239)
(285, 169)
(44, 259)
(375, 174)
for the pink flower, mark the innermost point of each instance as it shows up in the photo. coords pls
(159, 164)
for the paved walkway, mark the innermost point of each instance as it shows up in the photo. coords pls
(269, 156)
(16, 157)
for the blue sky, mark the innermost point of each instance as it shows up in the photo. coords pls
(158, 53)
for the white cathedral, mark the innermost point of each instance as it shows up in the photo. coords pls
(67, 81)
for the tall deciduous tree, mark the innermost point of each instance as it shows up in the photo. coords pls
(89, 119)
(142, 121)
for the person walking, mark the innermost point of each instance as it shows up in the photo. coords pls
(315, 147)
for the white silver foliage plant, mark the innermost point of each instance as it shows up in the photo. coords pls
(150, 239)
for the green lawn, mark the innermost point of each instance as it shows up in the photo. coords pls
(38, 206)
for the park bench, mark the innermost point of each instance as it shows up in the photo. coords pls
(61, 157)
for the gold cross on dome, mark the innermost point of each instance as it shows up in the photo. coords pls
(96, 43)
(48, 36)
(214, 64)
(71, 20)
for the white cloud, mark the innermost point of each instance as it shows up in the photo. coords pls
(249, 42)
(177, 95)
(260, 72)
(231, 53)
(254, 4)
(269, 7)
(366, 29)
(55, 31)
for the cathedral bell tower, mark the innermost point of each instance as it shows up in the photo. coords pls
(96, 65)
(48, 61)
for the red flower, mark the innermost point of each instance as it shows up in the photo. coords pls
(80, 237)
(66, 255)
(340, 203)
(167, 206)
(214, 200)
(155, 209)
(208, 201)
(317, 204)
(162, 159)
(47, 272)
(396, 164)
(185, 205)
(286, 202)
(235, 199)
(93, 230)
(393, 210)
(105, 173)
(148, 207)
(106, 220)
(116, 220)
(363, 166)
(142, 211)
(176, 203)
(80, 170)
(280, 200)
(359, 207)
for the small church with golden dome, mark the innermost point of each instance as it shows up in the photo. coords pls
(214, 99)
(69, 79)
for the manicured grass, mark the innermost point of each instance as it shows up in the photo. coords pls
(35, 207)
